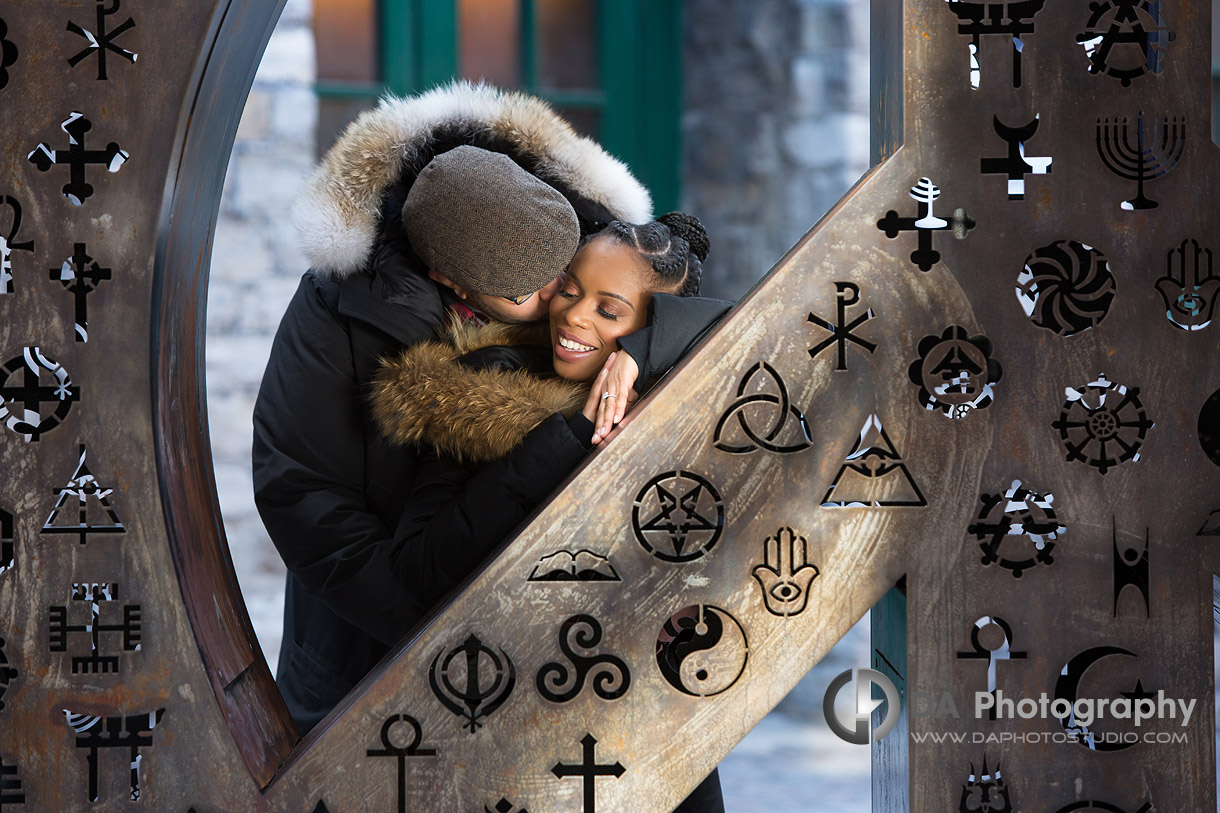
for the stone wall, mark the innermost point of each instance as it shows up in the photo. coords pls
(255, 270)
(775, 127)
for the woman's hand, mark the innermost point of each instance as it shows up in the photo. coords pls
(612, 394)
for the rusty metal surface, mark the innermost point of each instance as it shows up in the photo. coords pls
(196, 705)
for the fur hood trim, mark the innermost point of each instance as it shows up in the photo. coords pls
(336, 216)
(425, 396)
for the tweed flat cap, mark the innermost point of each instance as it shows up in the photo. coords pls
(487, 224)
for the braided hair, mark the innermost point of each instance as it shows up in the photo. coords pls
(674, 246)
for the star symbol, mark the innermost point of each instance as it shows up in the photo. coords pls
(1138, 693)
(667, 511)
(692, 520)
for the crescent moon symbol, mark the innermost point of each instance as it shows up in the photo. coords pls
(1067, 687)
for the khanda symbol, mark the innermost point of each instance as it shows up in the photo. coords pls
(1189, 286)
(785, 575)
(472, 680)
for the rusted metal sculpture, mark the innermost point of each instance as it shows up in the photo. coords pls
(990, 369)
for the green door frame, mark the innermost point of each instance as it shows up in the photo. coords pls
(640, 61)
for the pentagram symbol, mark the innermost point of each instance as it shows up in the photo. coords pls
(873, 474)
(678, 516)
(1066, 287)
(77, 158)
(472, 680)
(762, 376)
(28, 383)
(1190, 286)
(1102, 424)
(611, 677)
(1125, 38)
(9, 244)
(702, 650)
(846, 294)
(1017, 519)
(90, 498)
(955, 372)
(103, 41)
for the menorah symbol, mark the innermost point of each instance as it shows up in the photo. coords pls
(1148, 158)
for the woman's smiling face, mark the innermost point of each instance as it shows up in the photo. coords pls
(602, 296)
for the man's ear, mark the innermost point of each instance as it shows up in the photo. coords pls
(440, 278)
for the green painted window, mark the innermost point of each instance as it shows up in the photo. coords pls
(611, 67)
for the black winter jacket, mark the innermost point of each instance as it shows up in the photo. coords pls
(500, 433)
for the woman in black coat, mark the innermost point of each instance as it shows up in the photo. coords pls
(504, 413)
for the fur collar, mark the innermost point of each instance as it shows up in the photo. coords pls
(337, 214)
(425, 396)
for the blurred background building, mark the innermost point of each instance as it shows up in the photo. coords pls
(751, 114)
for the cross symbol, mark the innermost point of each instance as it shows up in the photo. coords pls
(77, 157)
(925, 256)
(104, 41)
(401, 752)
(589, 769)
(847, 294)
(31, 394)
(1016, 164)
(80, 275)
(1002, 651)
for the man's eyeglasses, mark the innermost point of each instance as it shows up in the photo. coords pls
(519, 300)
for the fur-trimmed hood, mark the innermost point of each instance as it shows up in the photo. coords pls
(337, 214)
(425, 396)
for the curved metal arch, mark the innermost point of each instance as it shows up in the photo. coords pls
(206, 127)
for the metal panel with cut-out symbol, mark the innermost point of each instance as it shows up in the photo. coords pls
(988, 369)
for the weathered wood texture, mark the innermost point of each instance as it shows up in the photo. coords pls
(219, 742)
